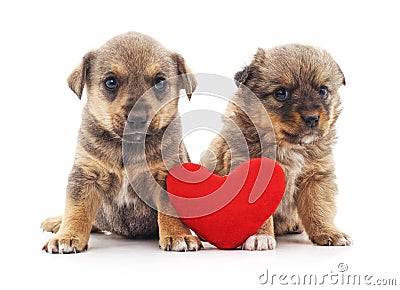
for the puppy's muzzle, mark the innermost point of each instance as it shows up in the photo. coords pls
(136, 126)
(311, 121)
(137, 121)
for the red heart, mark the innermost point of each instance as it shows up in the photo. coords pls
(226, 210)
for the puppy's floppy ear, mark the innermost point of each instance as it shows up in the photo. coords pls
(188, 80)
(77, 79)
(242, 76)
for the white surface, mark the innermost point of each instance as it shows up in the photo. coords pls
(42, 42)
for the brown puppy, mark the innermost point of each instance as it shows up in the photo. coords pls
(298, 87)
(99, 195)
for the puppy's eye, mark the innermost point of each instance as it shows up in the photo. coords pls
(323, 91)
(160, 84)
(111, 84)
(281, 94)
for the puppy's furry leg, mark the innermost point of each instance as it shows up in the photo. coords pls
(81, 206)
(52, 225)
(263, 239)
(316, 207)
(174, 234)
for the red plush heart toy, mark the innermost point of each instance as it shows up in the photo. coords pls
(226, 210)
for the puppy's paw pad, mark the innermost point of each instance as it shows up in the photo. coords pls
(259, 243)
(331, 238)
(64, 245)
(180, 243)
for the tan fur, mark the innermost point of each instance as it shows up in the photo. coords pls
(304, 154)
(99, 195)
(267, 227)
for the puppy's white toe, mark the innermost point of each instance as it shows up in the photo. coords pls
(193, 243)
(343, 241)
(259, 243)
(179, 245)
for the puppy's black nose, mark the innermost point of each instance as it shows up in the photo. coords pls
(137, 120)
(311, 121)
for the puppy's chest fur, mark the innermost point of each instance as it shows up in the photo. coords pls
(122, 210)
(294, 163)
(125, 213)
(125, 209)
(124, 197)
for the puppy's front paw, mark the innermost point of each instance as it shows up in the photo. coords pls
(51, 224)
(331, 238)
(65, 244)
(259, 243)
(180, 243)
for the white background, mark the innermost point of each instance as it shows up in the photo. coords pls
(43, 41)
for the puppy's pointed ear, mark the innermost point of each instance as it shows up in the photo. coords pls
(77, 79)
(187, 78)
(260, 54)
